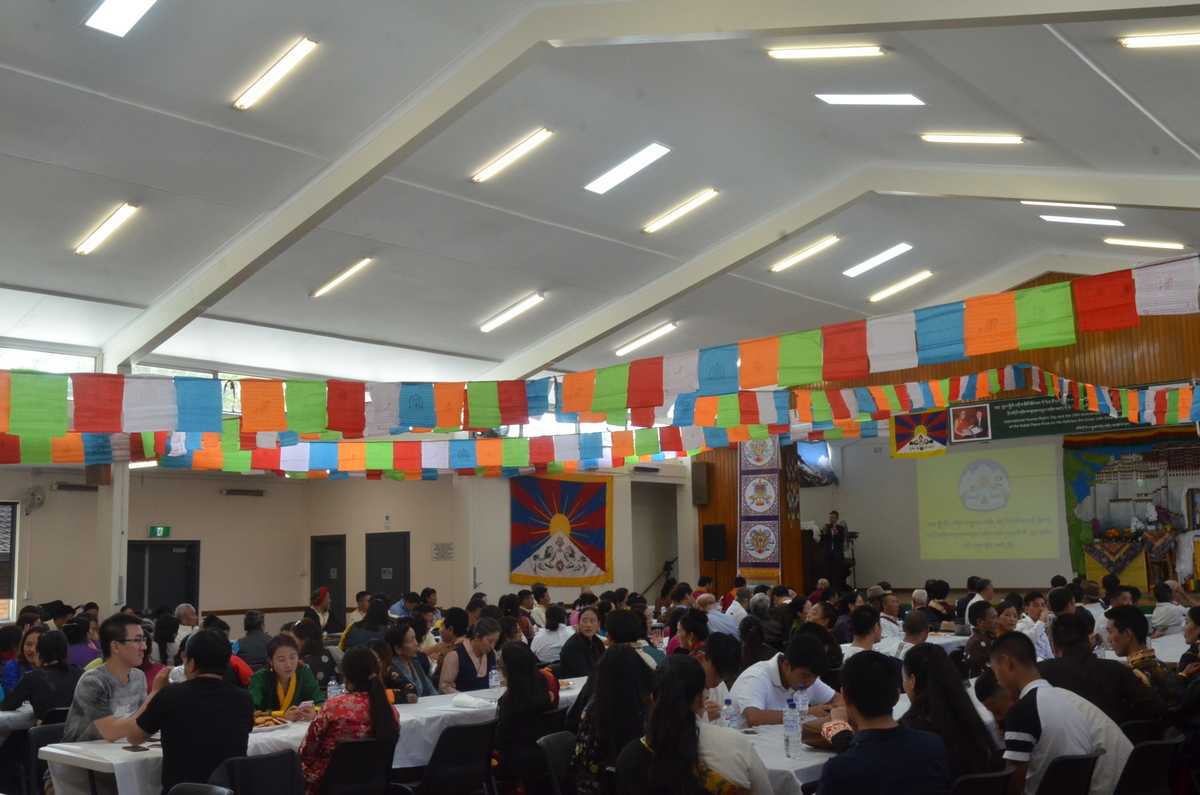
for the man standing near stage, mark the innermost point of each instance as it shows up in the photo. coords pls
(833, 539)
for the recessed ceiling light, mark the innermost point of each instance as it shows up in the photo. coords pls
(1071, 204)
(1066, 219)
(878, 259)
(957, 138)
(869, 99)
(633, 165)
(142, 464)
(645, 338)
(895, 288)
(1168, 40)
(118, 16)
(275, 73)
(341, 277)
(793, 53)
(681, 210)
(105, 229)
(511, 312)
(512, 155)
(1117, 241)
(820, 245)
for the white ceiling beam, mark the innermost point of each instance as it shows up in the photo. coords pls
(826, 202)
(465, 84)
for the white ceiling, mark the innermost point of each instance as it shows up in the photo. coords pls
(91, 121)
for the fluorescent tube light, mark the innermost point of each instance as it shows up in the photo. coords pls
(681, 210)
(118, 16)
(143, 464)
(793, 53)
(105, 229)
(633, 165)
(512, 155)
(1066, 219)
(646, 338)
(895, 288)
(878, 259)
(341, 277)
(1071, 204)
(820, 245)
(275, 73)
(869, 99)
(1117, 241)
(957, 138)
(511, 312)
(1168, 40)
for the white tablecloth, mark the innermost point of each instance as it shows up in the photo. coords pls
(17, 720)
(140, 772)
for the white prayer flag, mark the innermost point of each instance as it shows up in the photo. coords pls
(266, 440)
(680, 373)
(915, 395)
(149, 404)
(120, 446)
(692, 437)
(294, 458)
(892, 342)
(851, 398)
(566, 447)
(178, 444)
(383, 412)
(1170, 288)
(767, 415)
(435, 455)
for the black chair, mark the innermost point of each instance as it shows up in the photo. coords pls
(39, 738)
(199, 789)
(279, 773)
(559, 749)
(1138, 731)
(984, 783)
(1069, 775)
(55, 716)
(461, 762)
(546, 723)
(358, 767)
(810, 788)
(1148, 769)
(833, 678)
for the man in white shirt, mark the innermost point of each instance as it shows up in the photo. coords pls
(760, 694)
(864, 623)
(541, 599)
(916, 632)
(984, 592)
(189, 621)
(1035, 606)
(889, 620)
(363, 600)
(737, 608)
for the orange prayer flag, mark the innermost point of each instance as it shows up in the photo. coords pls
(262, 405)
(1092, 398)
(493, 472)
(741, 433)
(317, 474)
(804, 405)
(311, 437)
(208, 459)
(622, 444)
(939, 398)
(577, 391)
(852, 431)
(489, 452)
(990, 323)
(448, 403)
(352, 456)
(589, 416)
(706, 411)
(1132, 405)
(5, 389)
(882, 404)
(66, 449)
(210, 440)
(760, 362)
(570, 466)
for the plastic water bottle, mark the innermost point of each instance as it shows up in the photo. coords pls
(333, 688)
(729, 715)
(494, 680)
(802, 702)
(791, 730)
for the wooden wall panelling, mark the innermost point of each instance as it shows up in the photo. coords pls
(722, 508)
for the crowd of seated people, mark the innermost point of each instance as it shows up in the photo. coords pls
(650, 713)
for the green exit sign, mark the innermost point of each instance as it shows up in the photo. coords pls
(160, 531)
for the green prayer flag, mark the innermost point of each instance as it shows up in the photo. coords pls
(448, 430)
(483, 403)
(612, 389)
(993, 381)
(822, 411)
(38, 405)
(555, 468)
(1051, 384)
(833, 433)
(1172, 407)
(231, 438)
(514, 452)
(393, 474)
(800, 358)
(298, 475)
(236, 461)
(893, 398)
(331, 436)
(758, 432)
(380, 455)
(306, 406)
(147, 444)
(618, 419)
(645, 441)
(944, 383)
(729, 411)
(1045, 316)
(36, 449)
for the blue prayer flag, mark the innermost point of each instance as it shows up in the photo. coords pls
(537, 394)
(782, 400)
(685, 410)
(417, 408)
(97, 448)
(940, 336)
(429, 474)
(718, 371)
(591, 445)
(866, 401)
(323, 455)
(716, 437)
(462, 454)
(193, 440)
(199, 404)
(174, 461)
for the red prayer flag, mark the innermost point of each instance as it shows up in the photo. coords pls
(645, 383)
(514, 402)
(407, 456)
(541, 450)
(670, 440)
(845, 351)
(160, 442)
(904, 398)
(98, 399)
(10, 449)
(1106, 302)
(346, 404)
(265, 458)
(841, 411)
(247, 441)
(748, 403)
(642, 418)
(374, 474)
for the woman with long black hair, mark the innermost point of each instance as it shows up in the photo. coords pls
(362, 712)
(754, 642)
(49, 686)
(528, 693)
(374, 625)
(614, 716)
(681, 755)
(166, 649)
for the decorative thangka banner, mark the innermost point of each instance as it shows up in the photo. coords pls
(759, 544)
(561, 530)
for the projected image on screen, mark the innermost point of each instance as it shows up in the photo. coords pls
(993, 504)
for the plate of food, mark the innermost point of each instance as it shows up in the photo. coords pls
(264, 721)
(564, 683)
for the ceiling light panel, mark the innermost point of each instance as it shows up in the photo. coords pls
(609, 180)
(869, 99)
(512, 155)
(105, 229)
(895, 288)
(797, 53)
(965, 138)
(820, 245)
(276, 73)
(1166, 40)
(511, 312)
(681, 210)
(1071, 204)
(1120, 241)
(341, 277)
(1066, 219)
(878, 259)
(118, 16)
(646, 338)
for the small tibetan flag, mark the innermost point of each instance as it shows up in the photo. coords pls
(462, 454)
(685, 410)
(98, 401)
(237, 461)
(483, 405)
(1169, 288)
(804, 408)
(611, 391)
(760, 362)
(1045, 316)
(39, 406)
(566, 447)
(541, 449)
(800, 359)
(821, 410)
(717, 370)
(990, 324)
(514, 402)
(940, 334)
(670, 439)
(306, 406)
(380, 455)
(716, 437)
(10, 449)
(591, 445)
(706, 410)
(1106, 302)
(448, 404)
(347, 408)
(845, 353)
(262, 458)
(679, 373)
(262, 405)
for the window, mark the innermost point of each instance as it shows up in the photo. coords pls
(18, 359)
(139, 369)
(8, 556)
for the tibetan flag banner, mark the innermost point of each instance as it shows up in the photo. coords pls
(1045, 316)
(38, 407)
(562, 530)
(940, 334)
(98, 401)
(919, 435)
(892, 342)
(262, 405)
(990, 324)
(800, 358)
(760, 362)
(845, 354)
(1106, 302)
(1169, 288)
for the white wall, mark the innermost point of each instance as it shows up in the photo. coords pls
(877, 496)
(654, 517)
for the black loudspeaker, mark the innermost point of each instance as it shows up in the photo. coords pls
(699, 483)
(714, 542)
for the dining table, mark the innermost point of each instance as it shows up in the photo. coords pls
(17, 720)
